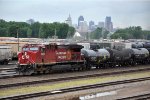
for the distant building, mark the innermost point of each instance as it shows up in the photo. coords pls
(30, 21)
(81, 18)
(101, 24)
(108, 24)
(91, 25)
(111, 26)
(83, 27)
(69, 21)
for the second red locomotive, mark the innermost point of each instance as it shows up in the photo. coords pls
(41, 58)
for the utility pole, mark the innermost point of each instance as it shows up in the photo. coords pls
(18, 37)
(55, 35)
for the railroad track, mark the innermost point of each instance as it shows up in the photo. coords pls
(70, 78)
(66, 90)
(7, 69)
(5, 72)
(15, 75)
(137, 97)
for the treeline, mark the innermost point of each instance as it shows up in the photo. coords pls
(134, 32)
(36, 30)
(99, 33)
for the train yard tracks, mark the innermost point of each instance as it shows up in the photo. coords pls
(8, 70)
(137, 97)
(72, 89)
(70, 78)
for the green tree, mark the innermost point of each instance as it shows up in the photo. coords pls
(134, 32)
(29, 33)
(35, 29)
(97, 34)
(71, 32)
(105, 33)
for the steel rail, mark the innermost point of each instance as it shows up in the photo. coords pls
(137, 97)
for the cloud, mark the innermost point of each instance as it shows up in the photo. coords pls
(123, 12)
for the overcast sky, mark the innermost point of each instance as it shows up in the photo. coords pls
(124, 13)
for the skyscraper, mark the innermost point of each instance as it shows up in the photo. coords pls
(108, 24)
(91, 25)
(101, 24)
(83, 27)
(81, 18)
(69, 20)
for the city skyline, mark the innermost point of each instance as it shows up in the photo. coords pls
(124, 13)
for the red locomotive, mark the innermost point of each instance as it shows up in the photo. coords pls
(42, 58)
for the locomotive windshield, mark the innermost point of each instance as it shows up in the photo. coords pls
(34, 48)
(25, 49)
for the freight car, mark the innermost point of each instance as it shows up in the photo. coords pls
(5, 54)
(14, 46)
(42, 58)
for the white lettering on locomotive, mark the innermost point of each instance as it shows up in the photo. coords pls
(61, 53)
(62, 57)
(25, 56)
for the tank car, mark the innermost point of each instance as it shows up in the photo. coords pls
(103, 57)
(5, 54)
(43, 58)
(90, 57)
(146, 45)
(141, 55)
(115, 57)
(127, 57)
(137, 45)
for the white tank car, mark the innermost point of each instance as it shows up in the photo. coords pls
(145, 52)
(103, 54)
(5, 54)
